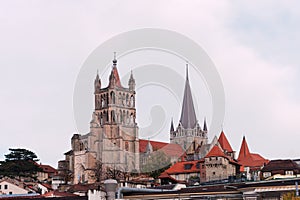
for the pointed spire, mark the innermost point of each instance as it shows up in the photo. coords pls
(188, 116)
(97, 82)
(187, 70)
(244, 150)
(149, 148)
(172, 126)
(224, 143)
(205, 126)
(131, 82)
(114, 79)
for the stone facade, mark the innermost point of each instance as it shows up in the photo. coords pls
(113, 138)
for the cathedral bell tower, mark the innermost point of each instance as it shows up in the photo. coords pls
(117, 130)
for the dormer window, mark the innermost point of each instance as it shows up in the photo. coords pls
(188, 166)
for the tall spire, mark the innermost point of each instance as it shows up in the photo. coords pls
(188, 116)
(244, 150)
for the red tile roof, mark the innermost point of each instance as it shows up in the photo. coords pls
(244, 150)
(224, 143)
(156, 145)
(117, 77)
(48, 169)
(215, 151)
(248, 159)
(178, 168)
(169, 149)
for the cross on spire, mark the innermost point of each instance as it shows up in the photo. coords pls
(115, 59)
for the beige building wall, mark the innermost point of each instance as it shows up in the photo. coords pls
(9, 188)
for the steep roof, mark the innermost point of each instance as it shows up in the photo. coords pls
(116, 75)
(174, 150)
(244, 150)
(188, 116)
(215, 152)
(155, 145)
(248, 159)
(224, 143)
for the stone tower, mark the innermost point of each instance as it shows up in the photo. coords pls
(113, 137)
(188, 131)
(118, 130)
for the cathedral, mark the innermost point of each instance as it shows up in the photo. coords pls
(113, 138)
(188, 131)
(113, 142)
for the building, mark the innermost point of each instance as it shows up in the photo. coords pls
(188, 130)
(13, 187)
(187, 172)
(284, 168)
(251, 163)
(218, 164)
(113, 139)
(46, 173)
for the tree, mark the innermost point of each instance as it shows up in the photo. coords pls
(98, 172)
(19, 163)
(156, 163)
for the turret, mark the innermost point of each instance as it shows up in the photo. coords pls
(172, 129)
(131, 82)
(97, 84)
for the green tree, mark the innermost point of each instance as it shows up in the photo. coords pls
(156, 163)
(19, 163)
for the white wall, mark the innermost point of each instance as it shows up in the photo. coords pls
(14, 189)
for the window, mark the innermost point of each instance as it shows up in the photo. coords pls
(10, 193)
(5, 187)
(0, 187)
(188, 166)
(214, 173)
(267, 174)
(289, 173)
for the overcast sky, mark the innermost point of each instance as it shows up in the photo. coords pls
(254, 46)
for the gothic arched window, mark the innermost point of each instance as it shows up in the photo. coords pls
(126, 146)
(127, 100)
(131, 101)
(112, 96)
(113, 119)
